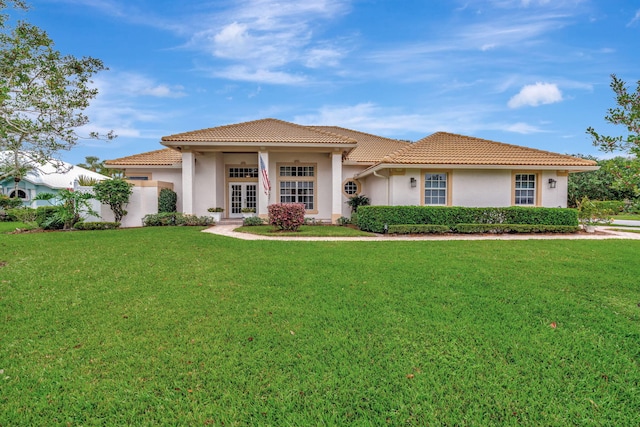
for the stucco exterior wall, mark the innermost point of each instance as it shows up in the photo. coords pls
(401, 192)
(323, 190)
(377, 189)
(347, 174)
(481, 188)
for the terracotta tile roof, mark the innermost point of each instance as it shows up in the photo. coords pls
(164, 157)
(261, 131)
(451, 149)
(370, 149)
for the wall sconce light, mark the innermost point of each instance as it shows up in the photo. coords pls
(552, 183)
(413, 182)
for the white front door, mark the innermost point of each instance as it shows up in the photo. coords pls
(242, 195)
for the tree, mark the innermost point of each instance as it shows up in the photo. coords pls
(115, 193)
(42, 97)
(600, 184)
(92, 163)
(627, 114)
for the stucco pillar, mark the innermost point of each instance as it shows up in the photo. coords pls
(188, 178)
(336, 186)
(263, 193)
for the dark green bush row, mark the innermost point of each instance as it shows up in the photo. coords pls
(25, 215)
(373, 218)
(514, 228)
(96, 225)
(417, 229)
(615, 206)
(175, 218)
(46, 218)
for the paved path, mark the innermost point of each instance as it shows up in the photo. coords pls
(601, 233)
(626, 223)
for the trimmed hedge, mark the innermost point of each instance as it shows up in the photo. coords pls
(175, 218)
(373, 218)
(98, 225)
(615, 206)
(418, 229)
(514, 228)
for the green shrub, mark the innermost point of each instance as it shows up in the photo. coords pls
(514, 228)
(417, 229)
(614, 206)
(252, 221)
(25, 215)
(374, 218)
(116, 193)
(47, 218)
(343, 220)
(97, 225)
(167, 201)
(175, 218)
(354, 219)
(7, 202)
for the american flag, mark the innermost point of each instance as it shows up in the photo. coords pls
(265, 177)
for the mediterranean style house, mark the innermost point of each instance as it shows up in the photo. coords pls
(257, 163)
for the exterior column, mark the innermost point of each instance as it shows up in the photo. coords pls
(264, 195)
(188, 178)
(336, 186)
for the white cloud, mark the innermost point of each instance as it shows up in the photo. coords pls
(523, 128)
(129, 85)
(394, 123)
(260, 37)
(537, 94)
(248, 74)
(635, 19)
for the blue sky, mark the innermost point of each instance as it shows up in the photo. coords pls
(526, 72)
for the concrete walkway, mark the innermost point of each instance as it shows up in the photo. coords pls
(601, 233)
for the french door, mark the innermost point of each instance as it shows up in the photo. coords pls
(242, 195)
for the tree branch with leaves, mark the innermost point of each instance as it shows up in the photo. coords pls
(626, 114)
(42, 97)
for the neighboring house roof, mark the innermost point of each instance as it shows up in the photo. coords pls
(443, 148)
(265, 131)
(370, 148)
(48, 174)
(164, 157)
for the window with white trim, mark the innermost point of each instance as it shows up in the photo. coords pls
(525, 186)
(243, 172)
(21, 194)
(435, 188)
(296, 187)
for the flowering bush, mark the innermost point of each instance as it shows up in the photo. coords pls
(286, 216)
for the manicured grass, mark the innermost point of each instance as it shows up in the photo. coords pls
(631, 217)
(171, 326)
(8, 227)
(306, 231)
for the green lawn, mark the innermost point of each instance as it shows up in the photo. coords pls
(306, 231)
(632, 217)
(8, 227)
(171, 326)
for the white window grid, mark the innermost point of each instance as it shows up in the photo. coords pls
(435, 189)
(525, 189)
